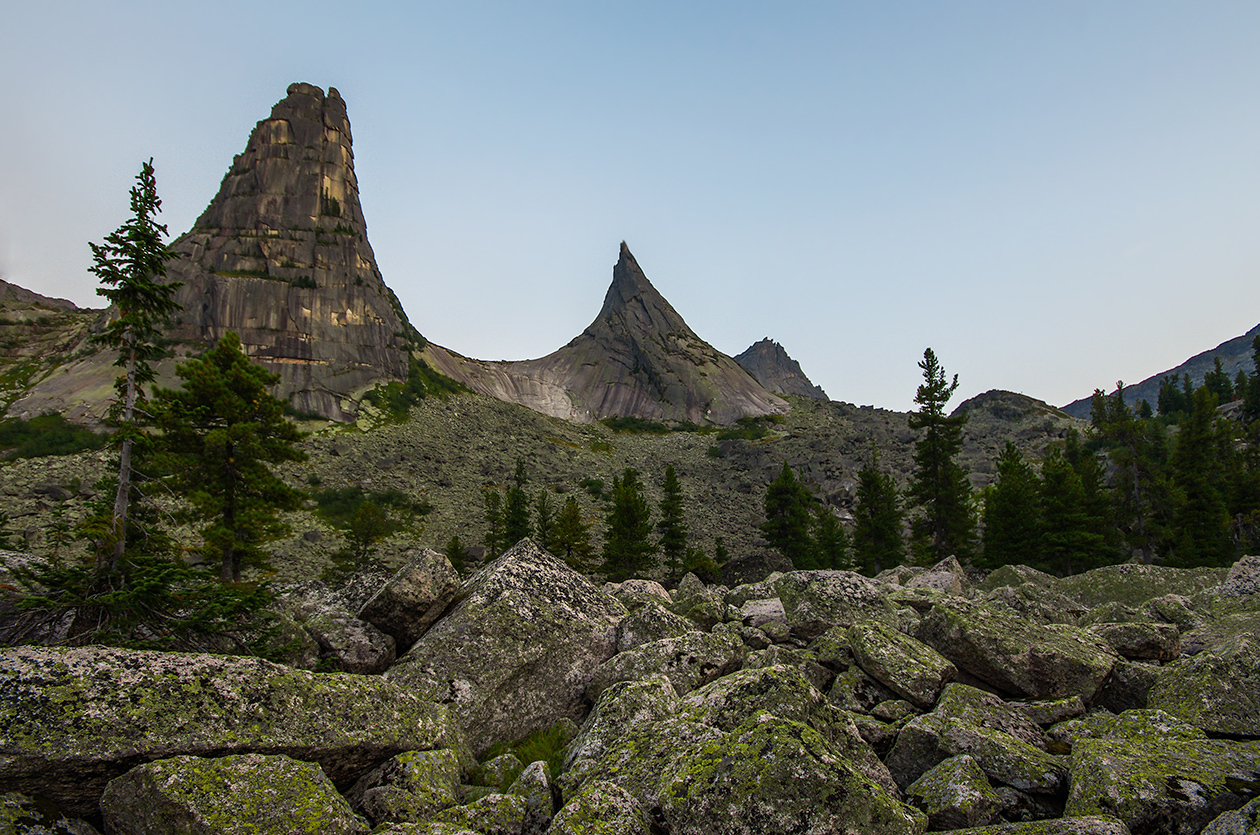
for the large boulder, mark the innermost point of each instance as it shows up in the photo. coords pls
(1174, 787)
(908, 667)
(413, 599)
(600, 809)
(1017, 657)
(494, 814)
(1217, 690)
(73, 719)
(23, 815)
(1244, 821)
(349, 645)
(955, 794)
(409, 787)
(690, 660)
(247, 794)
(815, 601)
(1091, 825)
(1141, 640)
(1132, 584)
(517, 652)
(651, 621)
(774, 775)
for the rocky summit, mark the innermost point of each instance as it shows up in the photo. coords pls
(921, 700)
(281, 256)
(770, 364)
(637, 359)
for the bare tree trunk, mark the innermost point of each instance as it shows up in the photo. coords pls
(122, 499)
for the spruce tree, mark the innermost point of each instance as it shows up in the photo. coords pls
(492, 502)
(831, 541)
(877, 539)
(788, 517)
(672, 527)
(627, 548)
(572, 537)
(939, 488)
(131, 263)
(1202, 516)
(1068, 545)
(516, 524)
(222, 432)
(544, 522)
(1012, 513)
(454, 552)
(1251, 398)
(1218, 382)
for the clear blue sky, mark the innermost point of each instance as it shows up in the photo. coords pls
(1051, 195)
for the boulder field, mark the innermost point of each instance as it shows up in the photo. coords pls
(526, 699)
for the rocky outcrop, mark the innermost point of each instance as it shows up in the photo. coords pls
(779, 373)
(637, 359)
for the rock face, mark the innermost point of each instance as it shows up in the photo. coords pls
(281, 256)
(637, 359)
(770, 364)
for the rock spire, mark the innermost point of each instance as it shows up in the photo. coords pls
(770, 364)
(281, 256)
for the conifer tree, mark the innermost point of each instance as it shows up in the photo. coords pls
(672, 527)
(627, 548)
(1097, 503)
(1068, 544)
(492, 501)
(131, 262)
(1251, 398)
(544, 522)
(787, 525)
(516, 524)
(1202, 517)
(223, 431)
(939, 488)
(831, 541)
(1218, 382)
(877, 540)
(1012, 513)
(572, 537)
(454, 552)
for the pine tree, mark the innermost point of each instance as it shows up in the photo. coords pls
(1202, 517)
(1012, 513)
(1099, 509)
(572, 537)
(672, 527)
(222, 432)
(492, 502)
(544, 522)
(787, 525)
(939, 486)
(831, 541)
(132, 263)
(1251, 398)
(454, 552)
(516, 524)
(1218, 382)
(877, 540)
(627, 547)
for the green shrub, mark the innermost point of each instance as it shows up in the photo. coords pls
(47, 434)
(396, 399)
(546, 745)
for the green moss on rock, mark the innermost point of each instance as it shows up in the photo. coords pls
(1217, 690)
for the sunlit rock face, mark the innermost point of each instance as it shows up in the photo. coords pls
(281, 256)
(637, 359)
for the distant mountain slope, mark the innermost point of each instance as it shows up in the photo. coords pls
(770, 364)
(1235, 356)
(637, 359)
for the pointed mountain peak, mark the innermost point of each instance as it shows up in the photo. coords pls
(770, 364)
(281, 256)
(630, 283)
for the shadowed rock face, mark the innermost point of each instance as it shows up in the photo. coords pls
(770, 364)
(638, 358)
(281, 256)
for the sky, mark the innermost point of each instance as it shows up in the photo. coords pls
(1053, 196)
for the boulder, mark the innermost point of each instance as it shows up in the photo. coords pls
(635, 592)
(763, 611)
(1137, 641)
(753, 567)
(517, 652)
(621, 708)
(413, 599)
(1017, 657)
(1174, 788)
(706, 605)
(815, 601)
(494, 814)
(1093, 825)
(977, 707)
(1036, 603)
(1243, 578)
(73, 719)
(908, 667)
(601, 808)
(534, 786)
(947, 577)
(650, 622)
(1217, 690)
(774, 775)
(1132, 584)
(409, 787)
(1244, 821)
(689, 661)
(499, 772)
(1135, 725)
(954, 794)
(803, 660)
(349, 645)
(856, 691)
(250, 794)
(1127, 686)
(1015, 575)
